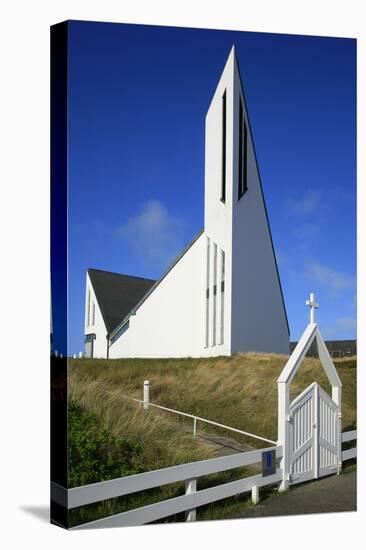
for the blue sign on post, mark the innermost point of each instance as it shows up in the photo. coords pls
(268, 463)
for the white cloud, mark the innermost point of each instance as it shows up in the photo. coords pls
(306, 231)
(305, 234)
(154, 235)
(329, 277)
(346, 323)
(309, 203)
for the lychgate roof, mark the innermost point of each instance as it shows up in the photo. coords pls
(117, 294)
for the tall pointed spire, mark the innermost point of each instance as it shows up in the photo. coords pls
(236, 221)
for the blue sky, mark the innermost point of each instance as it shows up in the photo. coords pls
(138, 96)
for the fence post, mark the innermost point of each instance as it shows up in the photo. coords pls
(194, 426)
(191, 487)
(255, 494)
(146, 394)
(284, 432)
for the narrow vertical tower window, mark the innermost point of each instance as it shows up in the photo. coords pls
(214, 296)
(207, 292)
(88, 310)
(243, 153)
(223, 153)
(222, 313)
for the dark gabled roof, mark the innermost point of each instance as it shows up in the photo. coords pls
(117, 294)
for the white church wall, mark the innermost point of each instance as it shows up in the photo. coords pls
(171, 321)
(258, 313)
(94, 322)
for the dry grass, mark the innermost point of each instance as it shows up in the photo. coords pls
(239, 391)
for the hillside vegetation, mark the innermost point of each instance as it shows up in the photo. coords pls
(239, 391)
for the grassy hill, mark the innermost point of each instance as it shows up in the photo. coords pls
(239, 391)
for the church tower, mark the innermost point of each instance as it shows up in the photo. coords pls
(244, 308)
(222, 294)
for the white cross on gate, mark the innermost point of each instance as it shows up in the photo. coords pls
(312, 304)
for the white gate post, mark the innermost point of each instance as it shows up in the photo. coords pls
(284, 432)
(191, 487)
(146, 394)
(316, 433)
(337, 398)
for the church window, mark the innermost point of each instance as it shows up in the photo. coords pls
(88, 309)
(223, 153)
(243, 153)
(93, 314)
(207, 291)
(214, 295)
(222, 312)
(119, 332)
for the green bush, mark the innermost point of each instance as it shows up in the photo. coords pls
(94, 455)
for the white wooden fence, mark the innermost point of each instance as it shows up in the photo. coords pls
(193, 498)
(350, 453)
(189, 473)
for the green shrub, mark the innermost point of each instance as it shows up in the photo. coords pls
(94, 455)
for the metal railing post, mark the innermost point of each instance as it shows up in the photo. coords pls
(146, 394)
(194, 426)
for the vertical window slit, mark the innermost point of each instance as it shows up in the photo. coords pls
(243, 153)
(245, 175)
(88, 310)
(223, 153)
(222, 313)
(207, 292)
(214, 296)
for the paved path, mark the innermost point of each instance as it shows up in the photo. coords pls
(330, 494)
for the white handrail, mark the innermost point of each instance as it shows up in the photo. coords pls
(195, 418)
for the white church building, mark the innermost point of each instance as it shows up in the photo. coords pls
(223, 294)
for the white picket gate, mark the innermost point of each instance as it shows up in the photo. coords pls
(314, 435)
(328, 435)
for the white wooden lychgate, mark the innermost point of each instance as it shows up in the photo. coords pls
(309, 428)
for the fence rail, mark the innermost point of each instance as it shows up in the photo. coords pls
(166, 508)
(80, 496)
(349, 453)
